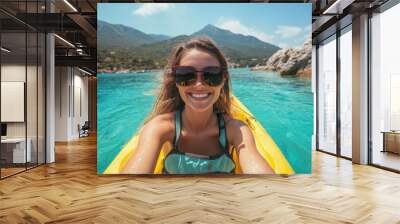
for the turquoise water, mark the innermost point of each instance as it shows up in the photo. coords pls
(284, 106)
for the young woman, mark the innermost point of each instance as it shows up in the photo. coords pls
(192, 112)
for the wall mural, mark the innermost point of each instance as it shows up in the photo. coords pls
(204, 88)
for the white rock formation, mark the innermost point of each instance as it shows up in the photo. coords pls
(290, 61)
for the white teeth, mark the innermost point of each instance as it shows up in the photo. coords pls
(199, 95)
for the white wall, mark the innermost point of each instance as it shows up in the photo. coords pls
(70, 84)
(62, 81)
(80, 108)
(33, 126)
(13, 101)
(13, 72)
(10, 73)
(16, 73)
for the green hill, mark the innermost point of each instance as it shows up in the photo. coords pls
(240, 50)
(115, 36)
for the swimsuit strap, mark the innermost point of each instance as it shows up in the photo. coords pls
(223, 140)
(178, 122)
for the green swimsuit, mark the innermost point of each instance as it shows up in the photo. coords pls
(178, 162)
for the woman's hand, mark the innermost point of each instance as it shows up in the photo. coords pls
(152, 137)
(250, 159)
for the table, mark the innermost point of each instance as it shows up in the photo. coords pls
(391, 141)
(16, 147)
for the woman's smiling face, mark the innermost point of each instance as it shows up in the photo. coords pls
(199, 96)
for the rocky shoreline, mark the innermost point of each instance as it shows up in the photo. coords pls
(287, 62)
(290, 61)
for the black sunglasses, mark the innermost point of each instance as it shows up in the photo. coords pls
(187, 75)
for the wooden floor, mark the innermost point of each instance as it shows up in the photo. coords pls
(388, 159)
(70, 191)
(10, 171)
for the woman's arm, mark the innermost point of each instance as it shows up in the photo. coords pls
(151, 139)
(250, 159)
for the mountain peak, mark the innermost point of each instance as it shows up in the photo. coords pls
(211, 31)
(209, 28)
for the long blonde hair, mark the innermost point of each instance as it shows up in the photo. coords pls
(169, 99)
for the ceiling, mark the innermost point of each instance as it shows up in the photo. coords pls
(76, 22)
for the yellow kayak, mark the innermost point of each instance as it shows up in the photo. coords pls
(265, 145)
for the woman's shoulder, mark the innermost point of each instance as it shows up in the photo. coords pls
(161, 125)
(232, 123)
(235, 127)
(164, 118)
(237, 131)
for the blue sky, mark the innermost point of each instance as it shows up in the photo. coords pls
(285, 25)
